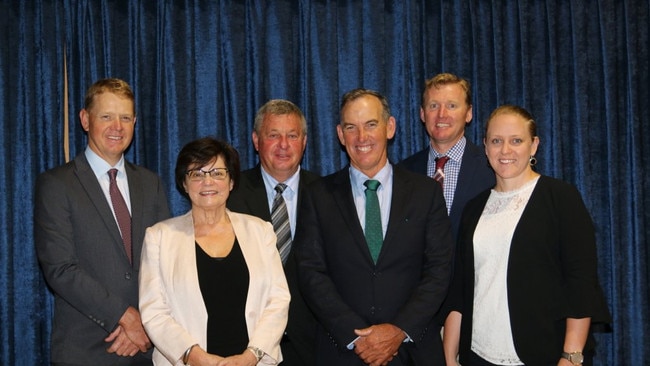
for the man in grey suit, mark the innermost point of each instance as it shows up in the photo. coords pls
(280, 138)
(84, 253)
(375, 303)
(445, 111)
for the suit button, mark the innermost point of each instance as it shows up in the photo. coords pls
(127, 275)
(372, 310)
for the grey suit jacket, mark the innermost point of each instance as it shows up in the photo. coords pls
(405, 287)
(83, 259)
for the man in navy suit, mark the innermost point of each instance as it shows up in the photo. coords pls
(445, 111)
(80, 246)
(280, 138)
(374, 306)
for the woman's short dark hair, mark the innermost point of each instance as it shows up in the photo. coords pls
(202, 151)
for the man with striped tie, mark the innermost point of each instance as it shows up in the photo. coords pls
(272, 191)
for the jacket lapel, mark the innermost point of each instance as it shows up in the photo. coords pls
(342, 193)
(91, 186)
(136, 196)
(401, 191)
(256, 198)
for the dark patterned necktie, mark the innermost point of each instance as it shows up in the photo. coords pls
(373, 231)
(280, 220)
(439, 175)
(121, 213)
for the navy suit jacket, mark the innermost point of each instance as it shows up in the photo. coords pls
(83, 259)
(348, 291)
(552, 272)
(474, 177)
(250, 198)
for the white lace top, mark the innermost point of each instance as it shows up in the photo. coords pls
(491, 332)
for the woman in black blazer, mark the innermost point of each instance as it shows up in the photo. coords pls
(526, 278)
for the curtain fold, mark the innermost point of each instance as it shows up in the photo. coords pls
(31, 96)
(204, 68)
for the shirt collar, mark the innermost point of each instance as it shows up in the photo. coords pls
(100, 167)
(357, 178)
(455, 153)
(270, 182)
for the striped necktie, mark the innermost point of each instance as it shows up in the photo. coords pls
(439, 175)
(280, 220)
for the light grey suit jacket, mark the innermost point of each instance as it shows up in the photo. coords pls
(83, 259)
(171, 304)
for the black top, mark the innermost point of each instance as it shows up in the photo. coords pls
(224, 286)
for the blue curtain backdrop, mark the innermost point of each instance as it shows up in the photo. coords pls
(203, 68)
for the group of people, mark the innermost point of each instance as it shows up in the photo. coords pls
(276, 265)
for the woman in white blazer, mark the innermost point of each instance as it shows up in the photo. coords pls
(212, 288)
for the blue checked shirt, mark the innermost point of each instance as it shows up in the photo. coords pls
(451, 169)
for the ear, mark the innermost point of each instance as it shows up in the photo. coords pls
(390, 128)
(534, 145)
(469, 115)
(256, 140)
(339, 132)
(85, 119)
(422, 115)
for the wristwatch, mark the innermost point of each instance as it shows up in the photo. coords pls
(575, 358)
(257, 352)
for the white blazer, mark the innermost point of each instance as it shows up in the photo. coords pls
(171, 304)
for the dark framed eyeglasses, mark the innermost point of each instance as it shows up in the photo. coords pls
(197, 175)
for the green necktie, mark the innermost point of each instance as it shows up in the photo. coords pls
(374, 234)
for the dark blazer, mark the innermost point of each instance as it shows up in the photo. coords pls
(250, 198)
(474, 177)
(83, 259)
(348, 291)
(552, 272)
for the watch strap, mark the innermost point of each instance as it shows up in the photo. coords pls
(257, 352)
(576, 358)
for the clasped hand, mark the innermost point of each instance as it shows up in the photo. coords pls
(199, 357)
(129, 337)
(378, 344)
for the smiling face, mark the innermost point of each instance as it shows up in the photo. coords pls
(208, 193)
(280, 143)
(365, 134)
(109, 123)
(509, 145)
(445, 113)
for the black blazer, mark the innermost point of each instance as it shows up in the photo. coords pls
(83, 259)
(552, 272)
(348, 291)
(250, 198)
(474, 177)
